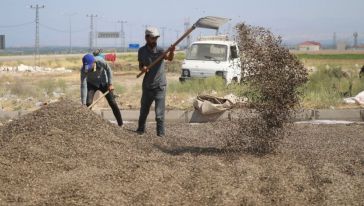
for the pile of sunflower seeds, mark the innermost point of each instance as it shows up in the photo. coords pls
(273, 76)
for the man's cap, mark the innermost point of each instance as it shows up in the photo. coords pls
(152, 31)
(87, 61)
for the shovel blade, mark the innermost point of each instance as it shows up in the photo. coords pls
(211, 22)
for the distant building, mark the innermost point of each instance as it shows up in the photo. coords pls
(341, 45)
(309, 46)
(361, 47)
(2, 42)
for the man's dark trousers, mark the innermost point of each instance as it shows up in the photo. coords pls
(91, 89)
(149, 95)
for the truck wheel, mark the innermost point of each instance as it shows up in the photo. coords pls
(236, 80)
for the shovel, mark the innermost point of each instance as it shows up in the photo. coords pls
(209, 22)
(97, 100)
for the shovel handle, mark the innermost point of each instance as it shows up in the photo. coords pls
(97, 100)
(165, 53)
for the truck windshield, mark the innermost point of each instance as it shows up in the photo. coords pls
(207, 52)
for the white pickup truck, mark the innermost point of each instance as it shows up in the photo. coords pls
(212, 56)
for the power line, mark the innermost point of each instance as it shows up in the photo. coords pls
(53, 29)
(59, 30)
(16, 25)
(163, 36)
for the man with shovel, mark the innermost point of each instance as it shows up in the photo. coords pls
(151, 62)
(96, 75)
(154, 82)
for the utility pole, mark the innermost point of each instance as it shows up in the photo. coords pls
(131, 33)
(355, 35)
(187, 26)
(36, 46)
(91, 41)
(146, 26)
(70, 30)
(122, 35)
(229, 30)
(334, 41)
(177, 33)
(163, 29)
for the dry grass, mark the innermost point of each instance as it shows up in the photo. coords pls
(25, 91)
(128, 87)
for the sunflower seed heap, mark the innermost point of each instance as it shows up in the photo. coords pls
(273, 76)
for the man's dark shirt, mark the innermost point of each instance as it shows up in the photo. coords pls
(156, 76)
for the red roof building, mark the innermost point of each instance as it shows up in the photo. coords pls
(309, 46)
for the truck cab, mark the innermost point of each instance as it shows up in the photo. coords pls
(212, 56)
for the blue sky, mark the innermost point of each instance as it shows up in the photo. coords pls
(294, 20)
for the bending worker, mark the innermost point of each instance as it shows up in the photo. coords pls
(154, 82)
(96, 75)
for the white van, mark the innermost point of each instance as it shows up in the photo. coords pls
(212, 56)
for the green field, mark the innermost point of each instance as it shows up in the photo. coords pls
(331, 56)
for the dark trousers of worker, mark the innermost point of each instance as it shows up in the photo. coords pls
(158, 95)
(91, 89)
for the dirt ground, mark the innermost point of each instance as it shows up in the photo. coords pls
(64, 154)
